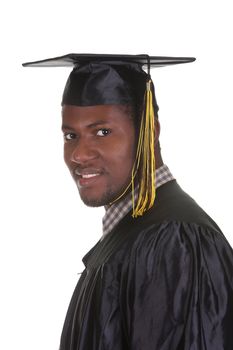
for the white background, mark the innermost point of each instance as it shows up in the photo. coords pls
(45, 229)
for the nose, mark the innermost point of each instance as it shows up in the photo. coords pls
(83, 152)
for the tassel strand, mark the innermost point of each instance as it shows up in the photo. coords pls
(145, 159)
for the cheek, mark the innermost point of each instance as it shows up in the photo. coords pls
(121, 156)
(128, 150)
(67, 155)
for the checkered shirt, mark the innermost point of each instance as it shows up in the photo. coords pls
(115, 213)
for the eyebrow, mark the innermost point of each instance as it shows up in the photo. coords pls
(64, 126)
(92, 125)
(98, 122)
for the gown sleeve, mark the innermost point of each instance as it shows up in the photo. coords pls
(177, 289)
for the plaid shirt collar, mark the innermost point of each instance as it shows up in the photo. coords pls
(115, 213)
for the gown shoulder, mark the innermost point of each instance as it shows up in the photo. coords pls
(177, 288)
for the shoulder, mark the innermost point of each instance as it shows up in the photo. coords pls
(181, 251)
(176, 235)
(175, 221)
(175, 226)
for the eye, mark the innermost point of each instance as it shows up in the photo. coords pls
(69, 136)
(103, 132)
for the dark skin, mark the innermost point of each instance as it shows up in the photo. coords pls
(99, 150)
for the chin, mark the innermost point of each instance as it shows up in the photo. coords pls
(92, 203)
(98, 201)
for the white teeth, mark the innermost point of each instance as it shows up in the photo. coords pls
(87, 176)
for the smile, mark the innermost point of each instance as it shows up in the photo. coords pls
(88, 176)
(86, 180)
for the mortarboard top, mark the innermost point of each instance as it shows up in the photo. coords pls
(74, 59)
(98, 79)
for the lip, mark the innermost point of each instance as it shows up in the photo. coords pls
(87, 176)
(87, 171)
(87, 181)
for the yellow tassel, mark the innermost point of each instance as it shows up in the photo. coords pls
(145, 159)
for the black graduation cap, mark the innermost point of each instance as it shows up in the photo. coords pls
(107, 78)
(101, 79)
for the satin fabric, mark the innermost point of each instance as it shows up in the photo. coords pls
(163, 281)
(106, 84)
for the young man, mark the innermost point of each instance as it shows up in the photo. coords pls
(161, 277)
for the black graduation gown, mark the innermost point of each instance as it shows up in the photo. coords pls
(163, 281)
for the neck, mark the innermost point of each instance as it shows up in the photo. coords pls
(158, 159)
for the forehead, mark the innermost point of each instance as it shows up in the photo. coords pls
(84, 115)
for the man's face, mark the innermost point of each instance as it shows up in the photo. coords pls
(99, 150)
